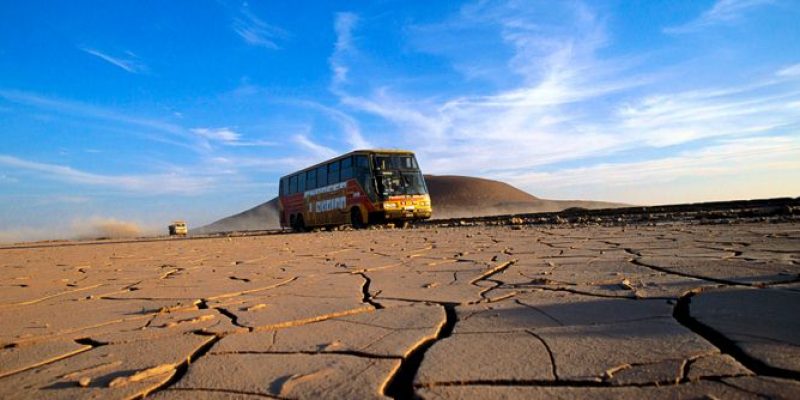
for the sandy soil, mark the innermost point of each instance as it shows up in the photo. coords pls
(520, 311)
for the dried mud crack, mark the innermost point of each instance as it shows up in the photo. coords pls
(182, 368)
(401, 384)
(367, 297)
(727, 346)
(474, 310)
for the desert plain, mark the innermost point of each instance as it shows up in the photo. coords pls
(507, 311)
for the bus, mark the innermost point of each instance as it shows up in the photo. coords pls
(359, 188)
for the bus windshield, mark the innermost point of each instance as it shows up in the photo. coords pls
(401, 183)
(395, 162)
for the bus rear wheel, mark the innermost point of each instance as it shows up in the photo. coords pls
(299, 225)
(355, 218)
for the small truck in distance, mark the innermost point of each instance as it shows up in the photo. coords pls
(178, 228)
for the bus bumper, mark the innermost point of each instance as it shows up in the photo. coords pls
(415, 213)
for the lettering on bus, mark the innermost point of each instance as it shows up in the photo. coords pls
(326, 189)
(329, 204)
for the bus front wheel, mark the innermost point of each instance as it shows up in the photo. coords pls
(355, 218)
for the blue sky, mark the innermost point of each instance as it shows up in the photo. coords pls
(147, 111)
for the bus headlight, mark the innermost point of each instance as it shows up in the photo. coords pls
(390, 206)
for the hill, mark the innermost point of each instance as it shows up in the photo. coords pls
(451, 196)
(261, 217)
(464, 196)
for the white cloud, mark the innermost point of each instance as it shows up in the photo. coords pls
(130, 64)
(316, 148)
(722, 12)
(673, 118)
(218, 134)
(790, 71)
(255, 31)
(518, 127)
(8, 179)
(568, 103)
(228, 137)
(728, 157)
(176, 134)
(145, 184)
(349, 125)
(344, 24)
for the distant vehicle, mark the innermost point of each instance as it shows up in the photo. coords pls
(358, 188)
(178, 228)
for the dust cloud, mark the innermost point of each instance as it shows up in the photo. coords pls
(82, 228)
(111, 228)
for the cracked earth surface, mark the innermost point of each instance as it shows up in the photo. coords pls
(675, 311)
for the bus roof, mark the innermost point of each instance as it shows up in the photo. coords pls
(354, 152)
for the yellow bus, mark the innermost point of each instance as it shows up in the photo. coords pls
(358, 188)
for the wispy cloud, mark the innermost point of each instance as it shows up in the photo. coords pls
(722, 12)
(558, 73)
(678, 117)
(228, 137)
(349, 125)
(154, 129)
(315, 148)
(568, 103)
(8, 179)
(218, 134)
(145, 184)
(768, 157)
(129, 63)
(790, 71)
(256, 31)
(343, 25)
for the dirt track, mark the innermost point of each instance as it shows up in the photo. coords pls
(475, 312)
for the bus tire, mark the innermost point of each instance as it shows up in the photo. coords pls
(355, 218)
(299, 224)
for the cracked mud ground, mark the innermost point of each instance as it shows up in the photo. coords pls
(681, 311)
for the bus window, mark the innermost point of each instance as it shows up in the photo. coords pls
(333, 172)
(347, 168)
(362, 162)
(311, 179)
(402, 183)
(283, 187)
(395, 162)
(293, 185)
(322, 176)
(301, 182)
(383, 163)
(407, 163)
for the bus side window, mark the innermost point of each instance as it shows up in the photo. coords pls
(362, 162)
(283, 187)
(293, 184)
(333, 172)
(322, 176)
(301, 182)
(311, 179)
(347, 168)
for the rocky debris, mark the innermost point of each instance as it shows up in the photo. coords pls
(726, 212)
(509, 309)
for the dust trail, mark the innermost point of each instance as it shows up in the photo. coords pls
(103, 227)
